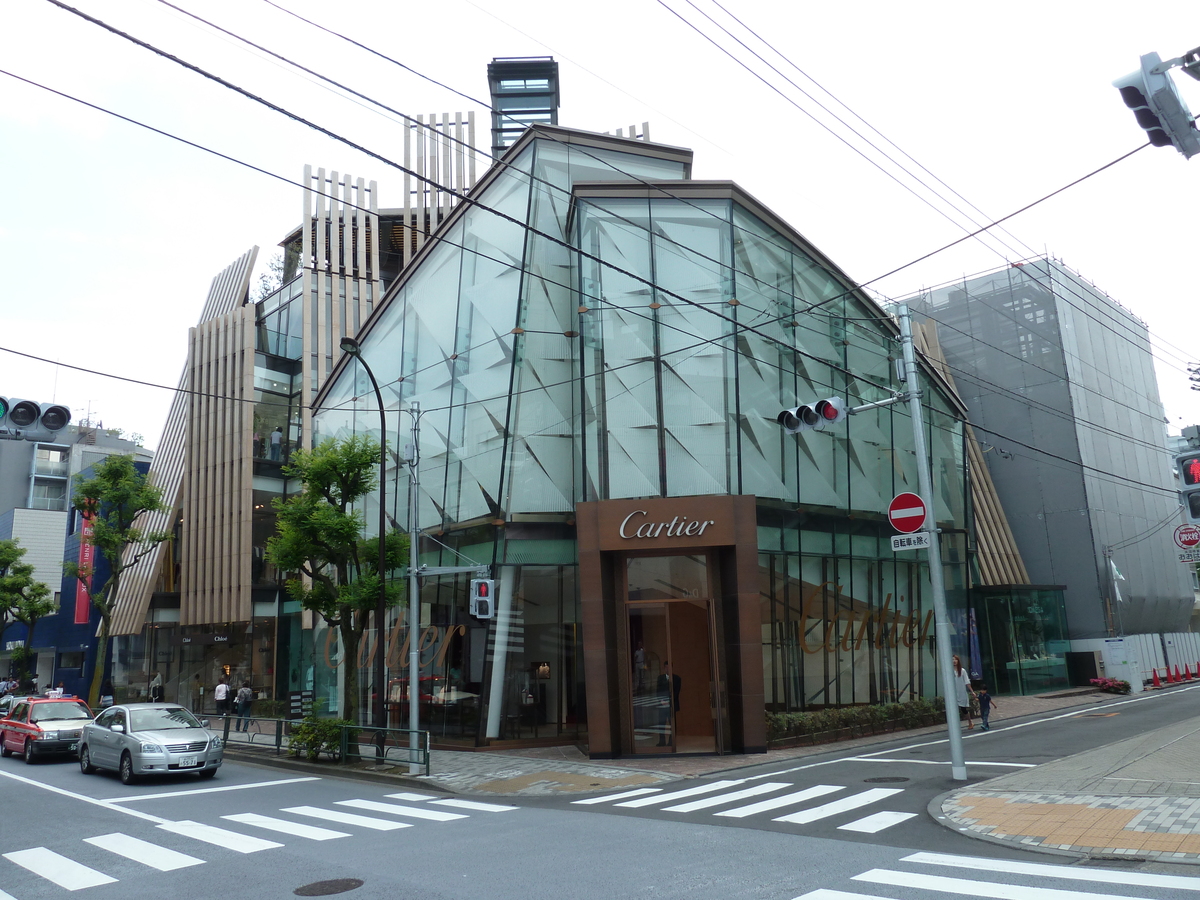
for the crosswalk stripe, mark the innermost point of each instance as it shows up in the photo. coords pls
(148, 854)
(875, 823)
(413, 812)
(1046, 870)
(412, 798)
(637, 793)
(827, 894)
(804, 816)
(990, 889)
(817, 790)
(66, 873)
(472, 804)
(210, 834)
(754, 791)
(297, 829)
(4, 896)
(336, 815)
(679, 795)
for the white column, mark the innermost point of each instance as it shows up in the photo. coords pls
(500, 649)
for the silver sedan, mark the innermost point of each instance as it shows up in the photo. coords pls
(149, 739)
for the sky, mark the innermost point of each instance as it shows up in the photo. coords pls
(111, 234)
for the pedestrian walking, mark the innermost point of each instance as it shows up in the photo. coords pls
(276, 443)
(986, 703)
(242, 702)
(156, 688)
(962, 687)
(221, 696)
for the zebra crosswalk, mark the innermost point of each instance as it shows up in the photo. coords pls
(792, 804)
(1002, 879)
(59, 867)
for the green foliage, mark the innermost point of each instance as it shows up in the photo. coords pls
(310, 737)
(22, 660)
(319, 538)
(864, 719)
(21, 597)
(116, 498)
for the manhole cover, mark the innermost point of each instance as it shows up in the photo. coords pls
(325, 888)
(885, 779)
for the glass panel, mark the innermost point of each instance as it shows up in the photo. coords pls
(653, 728)
(661, 577)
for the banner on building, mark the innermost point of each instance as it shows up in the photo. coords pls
(87, 556)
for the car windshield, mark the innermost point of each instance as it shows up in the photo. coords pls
(166, 719)
(59, 709)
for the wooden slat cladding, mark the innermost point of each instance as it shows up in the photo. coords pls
(440, 151)
(217, 492)
(997, 554)
(228, 290)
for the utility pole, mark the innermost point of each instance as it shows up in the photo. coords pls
(414, 594)
(941, 619)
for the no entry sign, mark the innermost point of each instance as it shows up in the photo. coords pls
(906, 512)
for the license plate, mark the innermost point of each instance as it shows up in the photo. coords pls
(74, 746)
(186, 761)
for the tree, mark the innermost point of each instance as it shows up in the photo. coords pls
(115, 500)
(21, 597)
(319, 536)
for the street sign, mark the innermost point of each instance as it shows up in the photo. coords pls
(1187, 537)
(1190, 556)
(915, 541)
(906, 512)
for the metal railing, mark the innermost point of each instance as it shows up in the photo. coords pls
(363, 743)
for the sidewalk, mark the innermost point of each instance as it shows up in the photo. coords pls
(1134, 799)
(550, 771)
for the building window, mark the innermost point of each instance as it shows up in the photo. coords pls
(51, 461)
(71, 659)
(49, 495)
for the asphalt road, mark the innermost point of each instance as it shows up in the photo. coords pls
(256, 832)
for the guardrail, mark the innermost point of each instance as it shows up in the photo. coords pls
(362, 743)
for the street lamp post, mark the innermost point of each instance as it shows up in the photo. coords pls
(351, 346)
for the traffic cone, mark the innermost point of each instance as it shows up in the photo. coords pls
(1157, 683)
(1170, 677)
(1187, 672)
(1178, 680)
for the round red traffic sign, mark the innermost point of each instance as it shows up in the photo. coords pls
(906, 512)
(1187, 536)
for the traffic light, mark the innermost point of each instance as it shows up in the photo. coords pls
(1158, 108)
(1189, 480)
(481, 598)
(812, 416)
(31, 421)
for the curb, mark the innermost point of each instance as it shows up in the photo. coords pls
(935, 812)
(331, 770)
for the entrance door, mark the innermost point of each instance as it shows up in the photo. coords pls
(671, 684)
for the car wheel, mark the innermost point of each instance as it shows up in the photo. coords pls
(30, 753)
(126, 770)
(4, 751)
(85, 761)
(208, 773)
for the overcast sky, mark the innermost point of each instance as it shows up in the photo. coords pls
(111, 234)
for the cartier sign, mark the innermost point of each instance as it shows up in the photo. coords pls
(638, 524)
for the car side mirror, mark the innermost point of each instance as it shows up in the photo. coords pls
(204, 722)
(118, 728)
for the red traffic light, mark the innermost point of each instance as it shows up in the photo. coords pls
(1189, 468)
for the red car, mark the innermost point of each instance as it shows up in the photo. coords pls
(40, 726)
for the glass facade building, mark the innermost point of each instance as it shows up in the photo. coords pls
(599, 348)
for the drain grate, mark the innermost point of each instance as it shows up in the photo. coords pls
(886, 779)
(325, 888)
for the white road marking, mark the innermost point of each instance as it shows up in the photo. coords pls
(210, 834)
(1045, 870)
(336, 815)
(827, 894)
(752, 791)
(66, 873)
(412, 798)
(298, 829)
(965, 887)
(92, 800)
(4, 896)
(413, 812)
(144, 852)
(469, 804)
(211, 790)
(639, 792)
(946, 762)
(679, 795)
(804, 816)
(817, 790)
(874, 824)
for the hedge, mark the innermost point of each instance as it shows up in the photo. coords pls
(831, 724)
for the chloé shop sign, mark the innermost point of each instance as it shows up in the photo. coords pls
(635, 525)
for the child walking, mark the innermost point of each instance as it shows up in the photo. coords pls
(985, 705)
